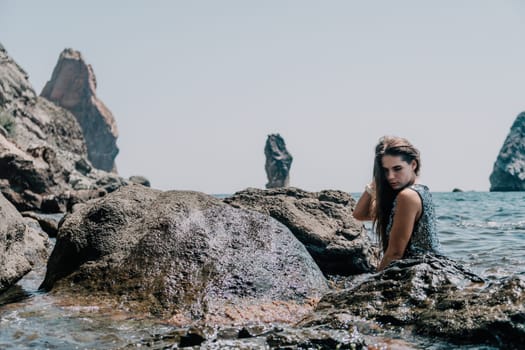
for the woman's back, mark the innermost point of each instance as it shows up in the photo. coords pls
(424, 235)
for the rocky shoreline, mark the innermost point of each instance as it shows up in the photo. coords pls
(277, 268)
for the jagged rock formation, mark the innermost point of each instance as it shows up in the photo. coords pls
(21, 246)
(182, 254)
(322, 221)
(509, 169)
(73, 86)
(43, 163)
(278, 162)
(433, 296)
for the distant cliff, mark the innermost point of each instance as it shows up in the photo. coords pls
(43, 155)
(73, 86)
(509, 169)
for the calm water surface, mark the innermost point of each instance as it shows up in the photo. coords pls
(485, 231)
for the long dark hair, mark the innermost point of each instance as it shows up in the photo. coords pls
(385, 195)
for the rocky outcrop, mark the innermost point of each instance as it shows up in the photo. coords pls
(509, 169)
(434, 296)
(141, 180)
(21, 246)
(278, 162)
(73, 86)
(322, 221)
(184, 254)
(43, 156)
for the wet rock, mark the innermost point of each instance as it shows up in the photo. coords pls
(508, 173)
(192, 338)
(260, 337)
(73, 86)
(181, 254)
(322, 221)
(278, 162)
(493, 315)
(316, 338)
(21, 246)
(435, 296)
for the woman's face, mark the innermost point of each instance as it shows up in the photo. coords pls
(398, 173)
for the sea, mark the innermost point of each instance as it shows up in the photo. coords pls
(483, 230)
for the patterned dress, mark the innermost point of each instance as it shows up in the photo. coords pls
(424, 236)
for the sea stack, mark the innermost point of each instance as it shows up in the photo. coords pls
(278, 162)
(72, 86)
(509, 169)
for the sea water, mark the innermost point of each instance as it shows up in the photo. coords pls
(484, 231)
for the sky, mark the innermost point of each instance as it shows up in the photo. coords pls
(197, 86)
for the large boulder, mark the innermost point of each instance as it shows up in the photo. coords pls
(322, 221)
(178, 253)
(43, 156)
(434, 296)
(278, 162)
(21, 245)
(73, 86)
(509, 169)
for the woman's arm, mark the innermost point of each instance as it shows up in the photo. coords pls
(408, 210)
(363, 210)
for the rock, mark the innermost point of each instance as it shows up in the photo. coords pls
(322, 221)
(434, 296)
(46, 156)
(15, 91)
(508, 173)
(83, 166)
(278, 162)
(35, 180)
(184, 254)
(73, 86)
(21, 246)
(23, 170)
(257, 337)
(316, 338)
(457, 190)
(48, 223)
(141, 180)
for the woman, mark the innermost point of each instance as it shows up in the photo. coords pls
(402, 211)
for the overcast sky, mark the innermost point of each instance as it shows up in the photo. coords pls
(196, 86)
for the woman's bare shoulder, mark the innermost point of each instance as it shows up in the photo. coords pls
(408, 196)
